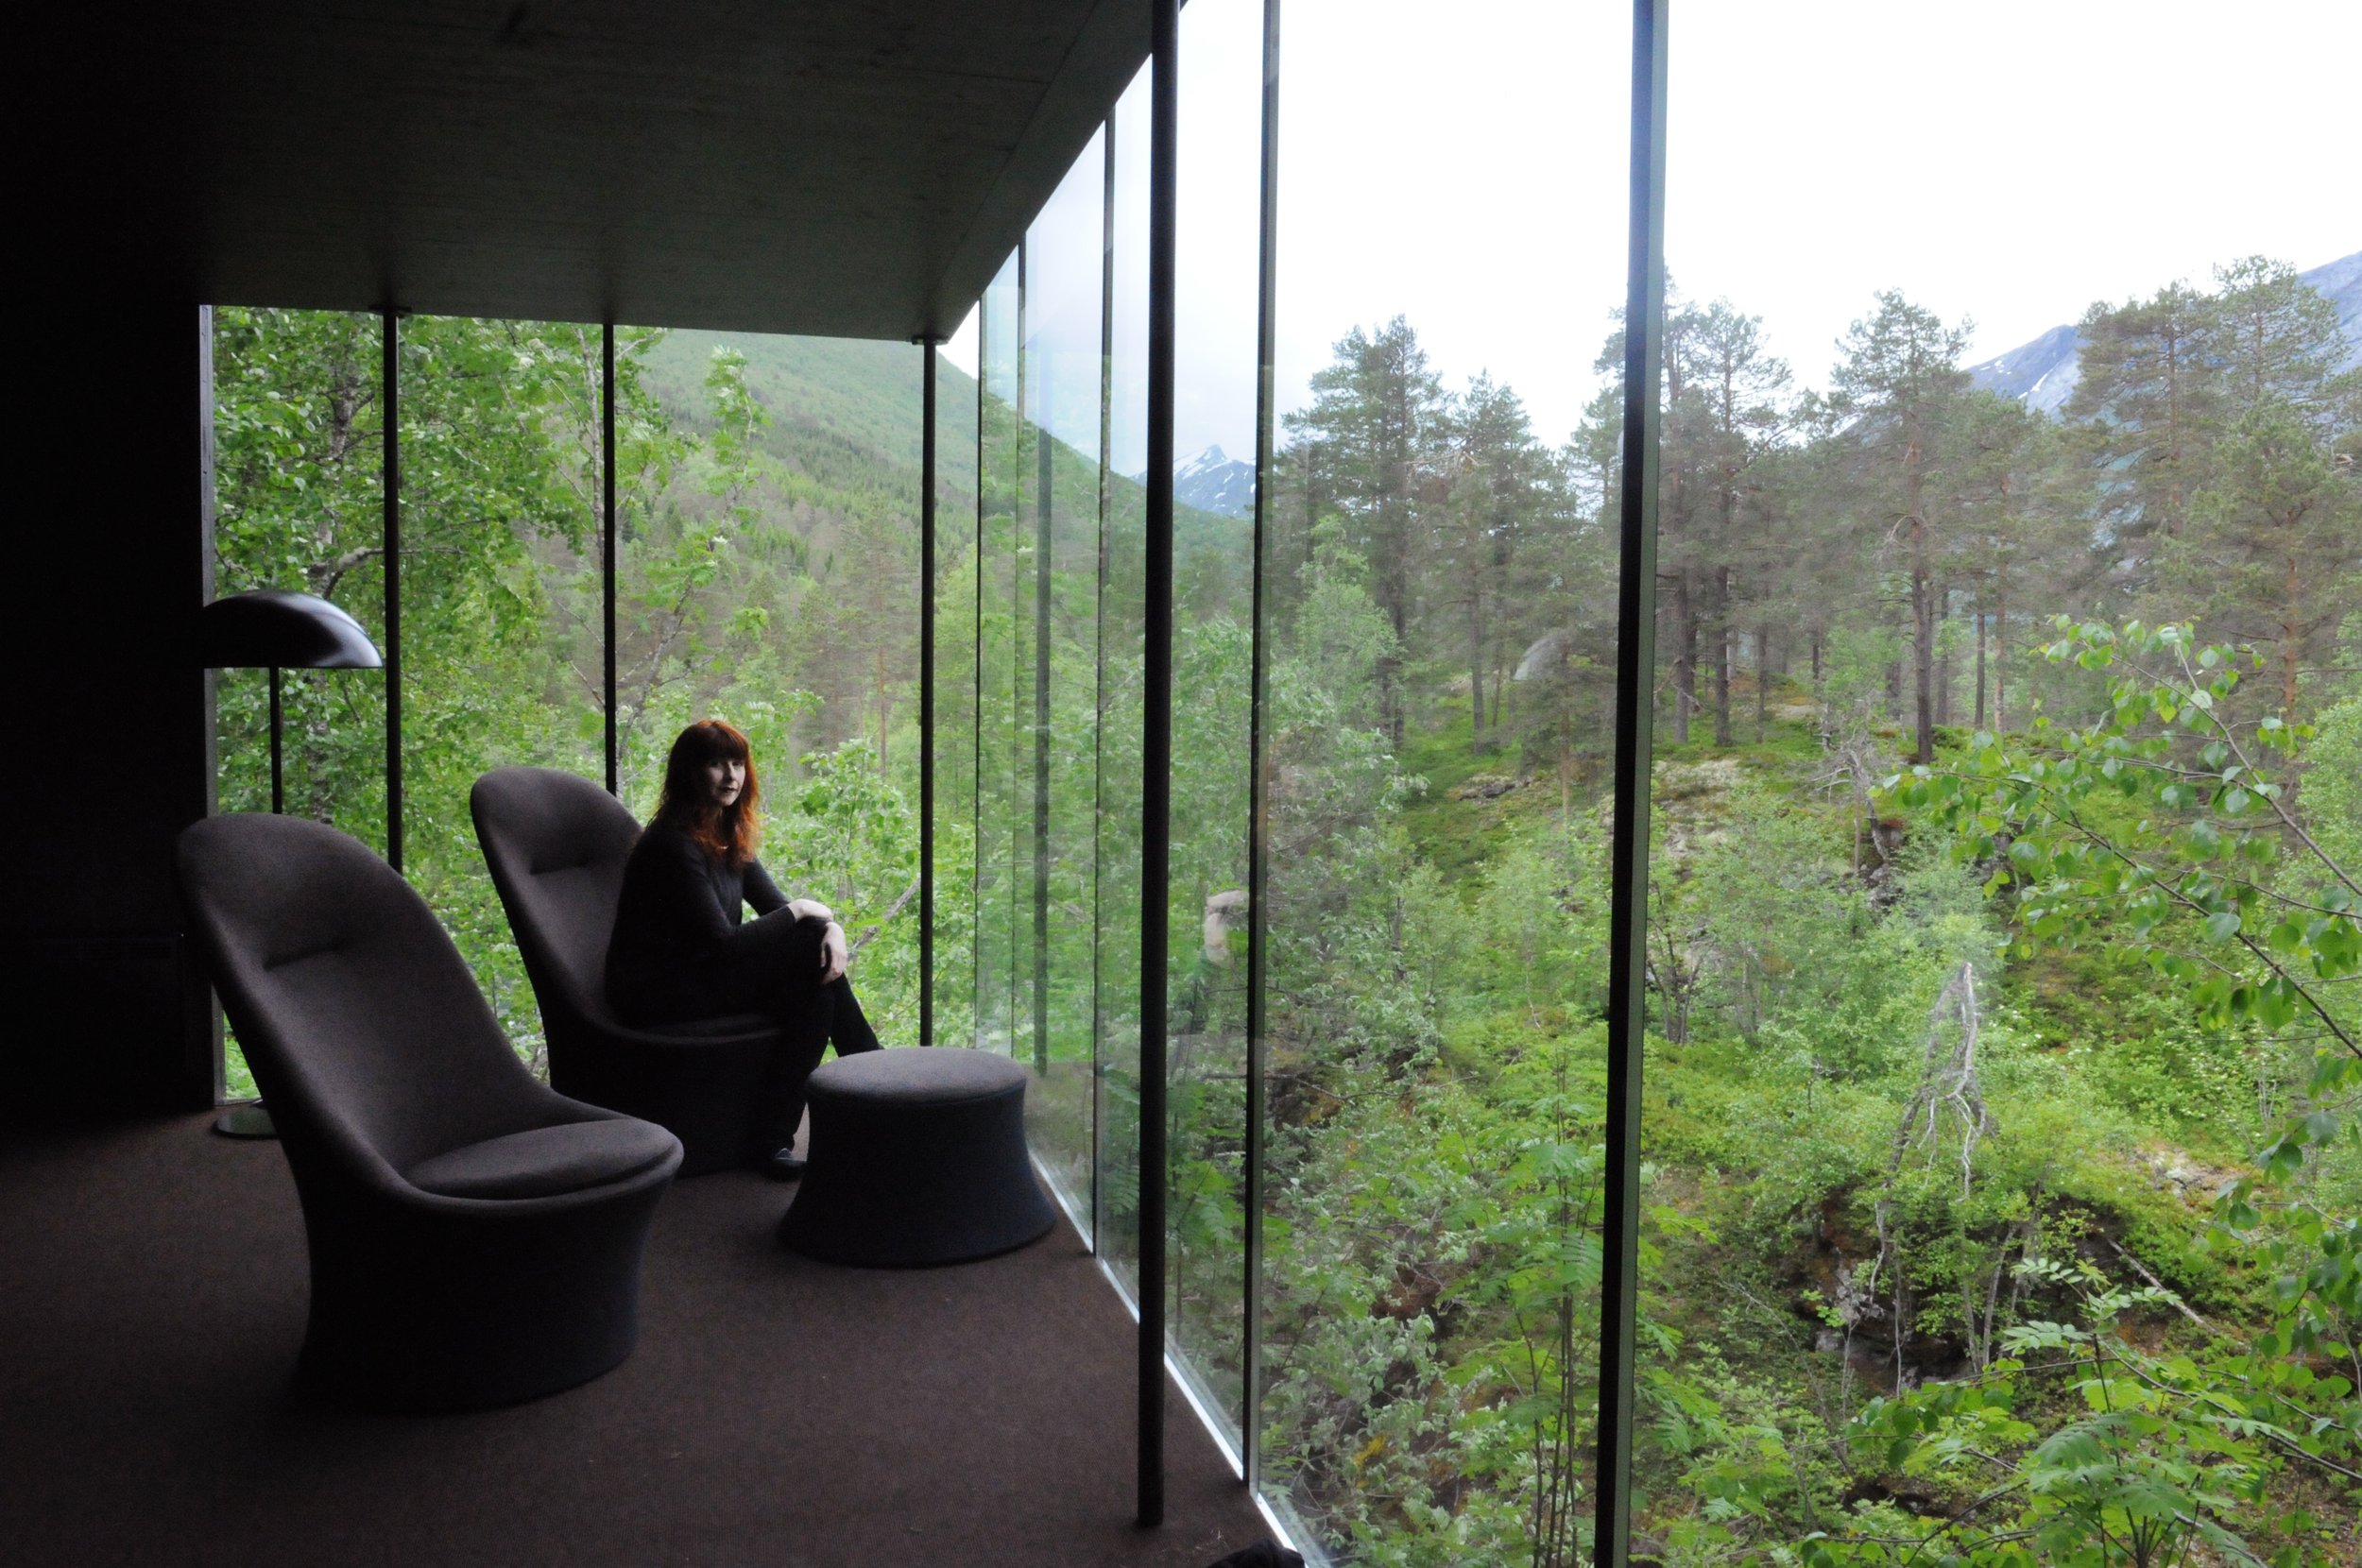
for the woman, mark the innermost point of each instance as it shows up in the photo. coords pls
(680, 950)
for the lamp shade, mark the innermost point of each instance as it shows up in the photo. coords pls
(292, 631)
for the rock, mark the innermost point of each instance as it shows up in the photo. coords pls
(1684, 781)
(2178, 1171)
(1484, 786)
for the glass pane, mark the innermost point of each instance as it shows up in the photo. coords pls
(1059, 487)
(500, 634)
(1439, 584)
(998, 799)
(768, 574)
(1218, 259)
(955, 691)
(1894, 1121)
(299, 448)
(1122, 605)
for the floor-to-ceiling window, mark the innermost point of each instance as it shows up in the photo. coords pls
(1061, 662)
(766, 572)
(953, 741)
(1217, 251)
(1996, 341)
(1900, 1136)
(1439, 625)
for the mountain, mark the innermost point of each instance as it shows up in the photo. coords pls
(2340, 282)
(1211, 482)
(2042, 374)
(850, 398)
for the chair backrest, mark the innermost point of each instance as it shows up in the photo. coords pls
(556, 845)
(363, 1024)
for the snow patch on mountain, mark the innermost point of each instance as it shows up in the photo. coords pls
(2042, 374)
(1212, 482)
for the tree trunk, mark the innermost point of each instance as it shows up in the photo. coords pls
(1923, 647)
(1685, 659)
(1943, 663)
(1475, 671)
(1763, 678)
(1722, 656)
(2291, 632)
(2000, 650)
(1980, 661)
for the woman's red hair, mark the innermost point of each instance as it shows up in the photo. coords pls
(728, 832)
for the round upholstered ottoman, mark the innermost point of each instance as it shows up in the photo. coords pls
(917, 1157)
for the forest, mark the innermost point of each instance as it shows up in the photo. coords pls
(2002, 1164)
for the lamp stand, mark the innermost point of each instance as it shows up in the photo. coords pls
(278, 789)
(253, 1120)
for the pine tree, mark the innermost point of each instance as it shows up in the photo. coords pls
(1372, 430)
(1502, 489)
(2146, 409)
(1902, 383)
(1739, 413)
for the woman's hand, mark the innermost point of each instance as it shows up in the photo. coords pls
(835, 955)
(810, 908)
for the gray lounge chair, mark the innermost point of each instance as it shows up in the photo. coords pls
(475, 1238)
(556, 845)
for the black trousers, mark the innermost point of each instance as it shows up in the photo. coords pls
(774, 969)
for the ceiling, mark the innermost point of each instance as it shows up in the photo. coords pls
(852, 168)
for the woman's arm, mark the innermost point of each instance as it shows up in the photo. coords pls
(762, 892)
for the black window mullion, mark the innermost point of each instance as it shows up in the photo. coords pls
(1636, 658)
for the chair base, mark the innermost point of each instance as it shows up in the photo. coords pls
(459, 1309)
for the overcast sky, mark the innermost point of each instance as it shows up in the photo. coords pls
(1463, 164)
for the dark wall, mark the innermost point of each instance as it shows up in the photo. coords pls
(106, 514)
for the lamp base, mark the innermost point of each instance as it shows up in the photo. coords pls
(249, 1120)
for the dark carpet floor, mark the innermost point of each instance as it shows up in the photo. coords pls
(778, 1412)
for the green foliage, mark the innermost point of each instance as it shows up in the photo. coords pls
(1926, 1275)
(2162, 827)
(2155, 1460)
(501, 606)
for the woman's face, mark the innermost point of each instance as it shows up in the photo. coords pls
(726, 778)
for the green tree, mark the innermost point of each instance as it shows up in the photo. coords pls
(1901, 385)
(1372, 430)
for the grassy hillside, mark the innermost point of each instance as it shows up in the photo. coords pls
(850, 391)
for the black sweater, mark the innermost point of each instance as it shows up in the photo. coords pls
(681, 912)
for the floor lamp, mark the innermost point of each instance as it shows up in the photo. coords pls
(268, 629)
